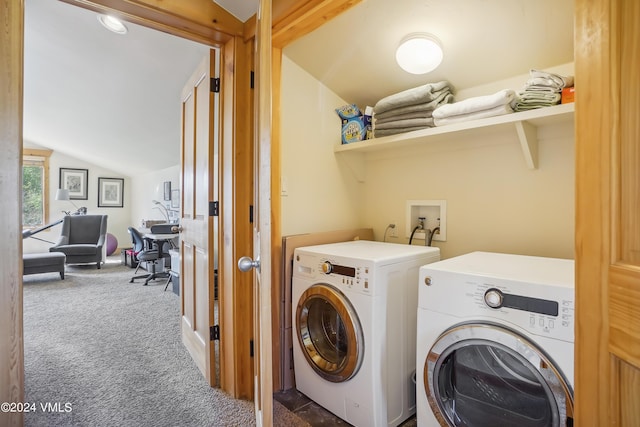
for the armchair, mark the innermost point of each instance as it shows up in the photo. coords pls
(83, 239)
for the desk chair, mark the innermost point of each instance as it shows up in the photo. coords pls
(144, 252)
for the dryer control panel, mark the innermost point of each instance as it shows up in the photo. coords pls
(539, 309)
(540, 314)
(533, 293)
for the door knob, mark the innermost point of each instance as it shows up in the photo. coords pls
(176, 229)
(246, 263)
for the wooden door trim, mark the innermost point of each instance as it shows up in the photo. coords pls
(199, 20)
(236, 197)
(293, 19)
(593, 157)
(11, 101)
(276, 229)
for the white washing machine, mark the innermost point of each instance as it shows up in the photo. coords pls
(495, 341)
(354, 325)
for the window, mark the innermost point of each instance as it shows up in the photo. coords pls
(35, 188)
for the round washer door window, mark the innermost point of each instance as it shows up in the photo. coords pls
(485, 375)
(329, 333)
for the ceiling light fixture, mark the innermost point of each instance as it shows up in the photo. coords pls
(112, 24)
(419, 53)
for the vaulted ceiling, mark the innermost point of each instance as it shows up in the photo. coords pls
(114, 100)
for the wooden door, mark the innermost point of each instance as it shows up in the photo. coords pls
(608, 211)
(263, 394)
(197, 220)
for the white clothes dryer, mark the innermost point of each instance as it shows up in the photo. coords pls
(354, 324)
(496, 341)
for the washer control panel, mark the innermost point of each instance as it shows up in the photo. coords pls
(353, 277)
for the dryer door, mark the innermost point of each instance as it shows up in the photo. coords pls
(329, 333)
(487, 375)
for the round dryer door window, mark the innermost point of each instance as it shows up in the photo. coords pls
(329, 333)
(487, 375)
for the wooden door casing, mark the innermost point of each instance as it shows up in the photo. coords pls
(11, 337)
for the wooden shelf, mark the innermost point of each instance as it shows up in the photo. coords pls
(524, 125)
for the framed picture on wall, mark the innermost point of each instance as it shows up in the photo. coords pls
(75, 180)
(110, 192)
(167, 190)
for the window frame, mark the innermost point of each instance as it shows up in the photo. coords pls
(37, 156)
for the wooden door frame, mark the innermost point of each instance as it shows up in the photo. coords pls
(11, 335)
(201, 21)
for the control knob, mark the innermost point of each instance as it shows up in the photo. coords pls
(493, 298)
(327, 268)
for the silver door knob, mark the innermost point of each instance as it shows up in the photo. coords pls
(176, 229)
(246, 263)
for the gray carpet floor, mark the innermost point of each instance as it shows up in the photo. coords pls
(100, 351)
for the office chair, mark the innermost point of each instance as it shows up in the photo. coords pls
(143, 251)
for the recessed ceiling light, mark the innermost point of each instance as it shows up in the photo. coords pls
(112, 24)
(419, 53)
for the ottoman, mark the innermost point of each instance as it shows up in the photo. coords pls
(45, 262)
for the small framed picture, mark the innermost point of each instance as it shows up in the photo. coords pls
(110, 192)
(75, 180)
(175, 198)
(167, 190)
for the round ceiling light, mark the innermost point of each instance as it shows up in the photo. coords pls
(419, 53)
(112, 24)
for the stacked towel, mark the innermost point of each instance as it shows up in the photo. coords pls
(475, 108)
(411, 109)
(542, 90)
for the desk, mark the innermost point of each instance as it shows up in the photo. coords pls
(160, 240)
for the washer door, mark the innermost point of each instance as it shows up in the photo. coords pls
(329, 333)
(487, 375)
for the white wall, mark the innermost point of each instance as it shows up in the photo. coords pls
(118, 220)
(316, 194)
(494, 202)
(149, 187)
(139, 191)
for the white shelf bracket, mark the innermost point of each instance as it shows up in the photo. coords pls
(528, 136)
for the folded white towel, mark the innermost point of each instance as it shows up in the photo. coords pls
(491, 112)
(475, 104)
(443, 96)
(417, 95)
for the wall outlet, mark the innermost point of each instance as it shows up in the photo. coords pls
(393, 232)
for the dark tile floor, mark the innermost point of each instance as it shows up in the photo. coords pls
(315, 414)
